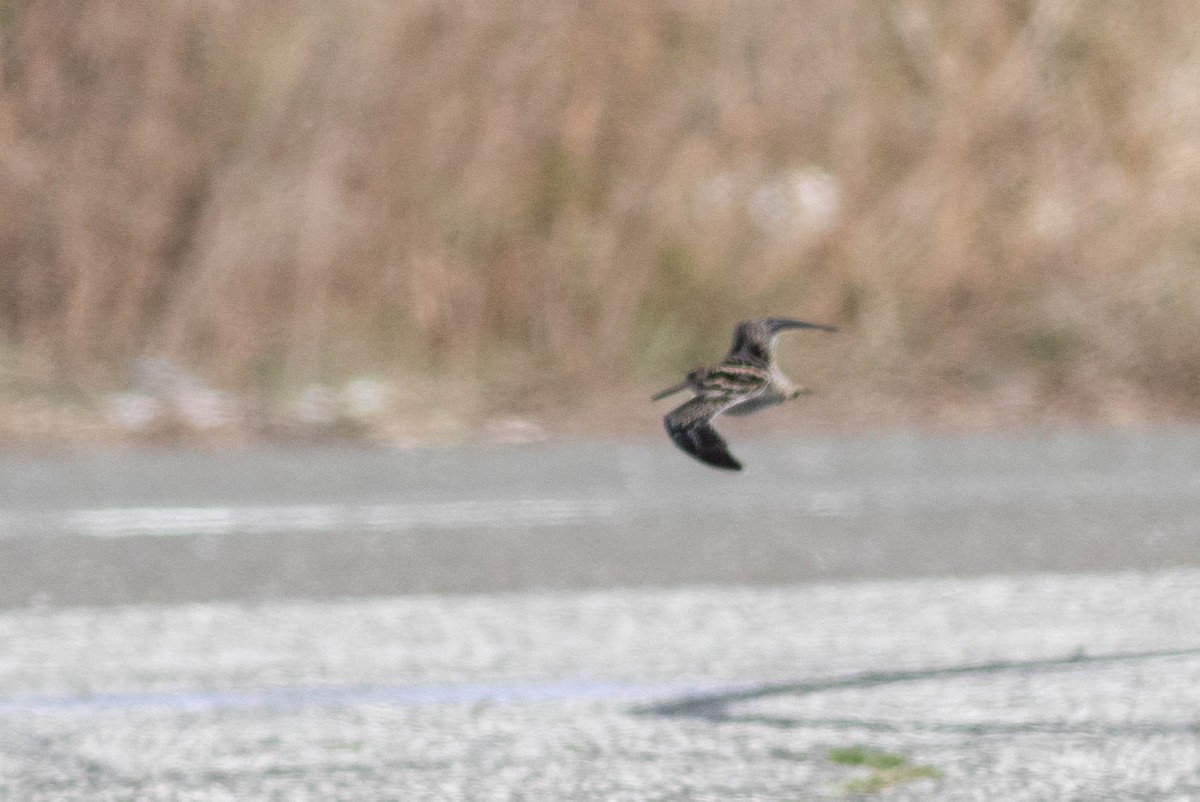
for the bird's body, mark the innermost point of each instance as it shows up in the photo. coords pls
(746, 381)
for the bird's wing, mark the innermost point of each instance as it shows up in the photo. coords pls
(690, 426)
(753, 340)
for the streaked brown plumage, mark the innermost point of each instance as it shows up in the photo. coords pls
(746, 381)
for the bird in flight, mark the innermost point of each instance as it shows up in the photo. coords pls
(746, 381)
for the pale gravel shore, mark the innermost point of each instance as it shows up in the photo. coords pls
(1077, 687)
(1000, 617)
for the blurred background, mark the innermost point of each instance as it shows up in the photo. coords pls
(433, 221)
(966, 568)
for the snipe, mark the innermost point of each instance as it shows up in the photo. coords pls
(746, 381)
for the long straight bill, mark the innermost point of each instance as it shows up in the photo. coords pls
(670, 391)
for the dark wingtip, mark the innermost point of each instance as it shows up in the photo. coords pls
(724, 461)
(700, 441)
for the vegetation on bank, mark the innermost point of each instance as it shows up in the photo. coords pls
(521, 206)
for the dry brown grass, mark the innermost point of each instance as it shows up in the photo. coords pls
(538, 199)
